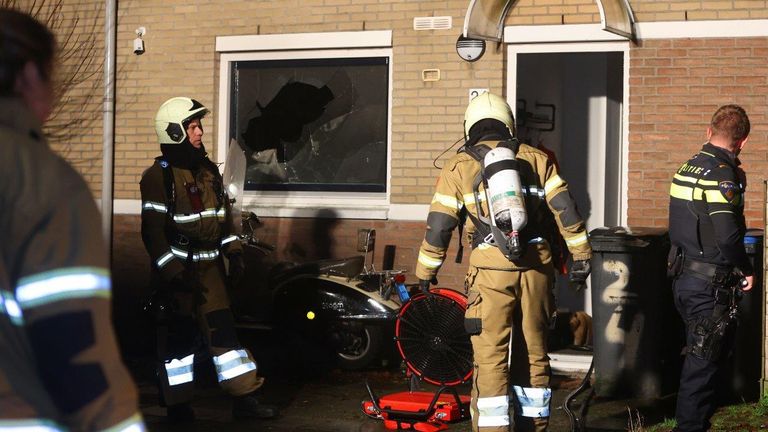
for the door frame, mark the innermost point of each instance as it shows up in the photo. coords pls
(545, 47)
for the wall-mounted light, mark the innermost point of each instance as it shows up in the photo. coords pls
(138, 43)
(470, 49)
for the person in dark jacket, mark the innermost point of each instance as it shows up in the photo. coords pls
(706, 228)
(187, 228)
(60, 368)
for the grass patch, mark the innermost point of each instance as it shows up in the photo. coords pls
(664, 426)
(746, 417)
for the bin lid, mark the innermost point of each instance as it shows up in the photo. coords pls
(753, 236)
(623, 239)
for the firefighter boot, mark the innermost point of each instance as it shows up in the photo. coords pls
(249, 407)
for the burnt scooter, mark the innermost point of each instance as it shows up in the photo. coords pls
(342, 302)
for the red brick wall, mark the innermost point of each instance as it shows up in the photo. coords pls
(675, 87)
(297, 240)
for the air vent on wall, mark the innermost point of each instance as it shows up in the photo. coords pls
(433, 23)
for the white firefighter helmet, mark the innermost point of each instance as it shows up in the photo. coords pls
(172, 118)
(488, 106)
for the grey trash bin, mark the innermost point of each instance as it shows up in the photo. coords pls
(633, 314)
(743, 369)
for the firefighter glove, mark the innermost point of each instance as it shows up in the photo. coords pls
(577, 277)
(424, 283)
(236, 269)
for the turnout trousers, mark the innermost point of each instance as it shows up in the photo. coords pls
(513, 306)
(203, 319)
(696, 398)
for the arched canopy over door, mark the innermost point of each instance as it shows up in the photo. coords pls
(485, 18)
(616, 17)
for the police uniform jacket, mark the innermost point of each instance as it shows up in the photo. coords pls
(59, 362)
(706, 211)
(542, 187)
(185, 228)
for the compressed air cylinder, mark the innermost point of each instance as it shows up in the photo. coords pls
(505, 194)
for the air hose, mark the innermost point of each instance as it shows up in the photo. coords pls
(578, 423)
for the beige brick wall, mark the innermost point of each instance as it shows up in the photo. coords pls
(75, 129)
(180, 60)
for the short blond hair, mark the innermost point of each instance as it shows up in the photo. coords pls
(731, 122)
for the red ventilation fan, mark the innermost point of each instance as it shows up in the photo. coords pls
(430, 336)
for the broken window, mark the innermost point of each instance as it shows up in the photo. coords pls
(316, 124)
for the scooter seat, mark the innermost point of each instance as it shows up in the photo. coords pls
(344, 267)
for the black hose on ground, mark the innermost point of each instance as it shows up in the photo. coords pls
(578, 423)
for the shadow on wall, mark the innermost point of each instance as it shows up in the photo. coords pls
(316, 241)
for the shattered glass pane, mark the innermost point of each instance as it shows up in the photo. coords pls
(312, 124)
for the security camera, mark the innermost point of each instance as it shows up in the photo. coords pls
(138, 43)
(138, 46)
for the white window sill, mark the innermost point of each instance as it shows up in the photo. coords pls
(404, 212)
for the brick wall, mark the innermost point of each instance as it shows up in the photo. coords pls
(675, 87)
(296, 240)
(675, 84)
(180, 59)
(653, 10)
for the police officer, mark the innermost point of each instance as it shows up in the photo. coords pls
(187, 228)
(706, 227)
(500, 288)
(60, 368)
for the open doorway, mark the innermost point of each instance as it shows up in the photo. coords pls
(570, 99)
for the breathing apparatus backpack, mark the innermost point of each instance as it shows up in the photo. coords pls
(500, 177)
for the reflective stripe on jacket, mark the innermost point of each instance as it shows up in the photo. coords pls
(542, 186)
(208, 229)
(60, 366)
(706, 209)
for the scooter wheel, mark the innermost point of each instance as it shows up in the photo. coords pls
(360, 347)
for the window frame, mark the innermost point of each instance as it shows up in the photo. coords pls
(353, 205)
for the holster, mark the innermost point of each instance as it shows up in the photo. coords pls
(712, 336)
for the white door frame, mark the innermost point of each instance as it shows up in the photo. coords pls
(514, 49)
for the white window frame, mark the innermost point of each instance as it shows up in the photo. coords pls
(357, 205)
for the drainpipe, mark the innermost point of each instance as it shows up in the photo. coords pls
(108, 113)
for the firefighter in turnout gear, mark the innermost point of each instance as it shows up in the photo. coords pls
(504, 296)
(707, 259)
(187, 229)
(60, 368)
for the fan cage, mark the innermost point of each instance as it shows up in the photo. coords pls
(431, 338)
